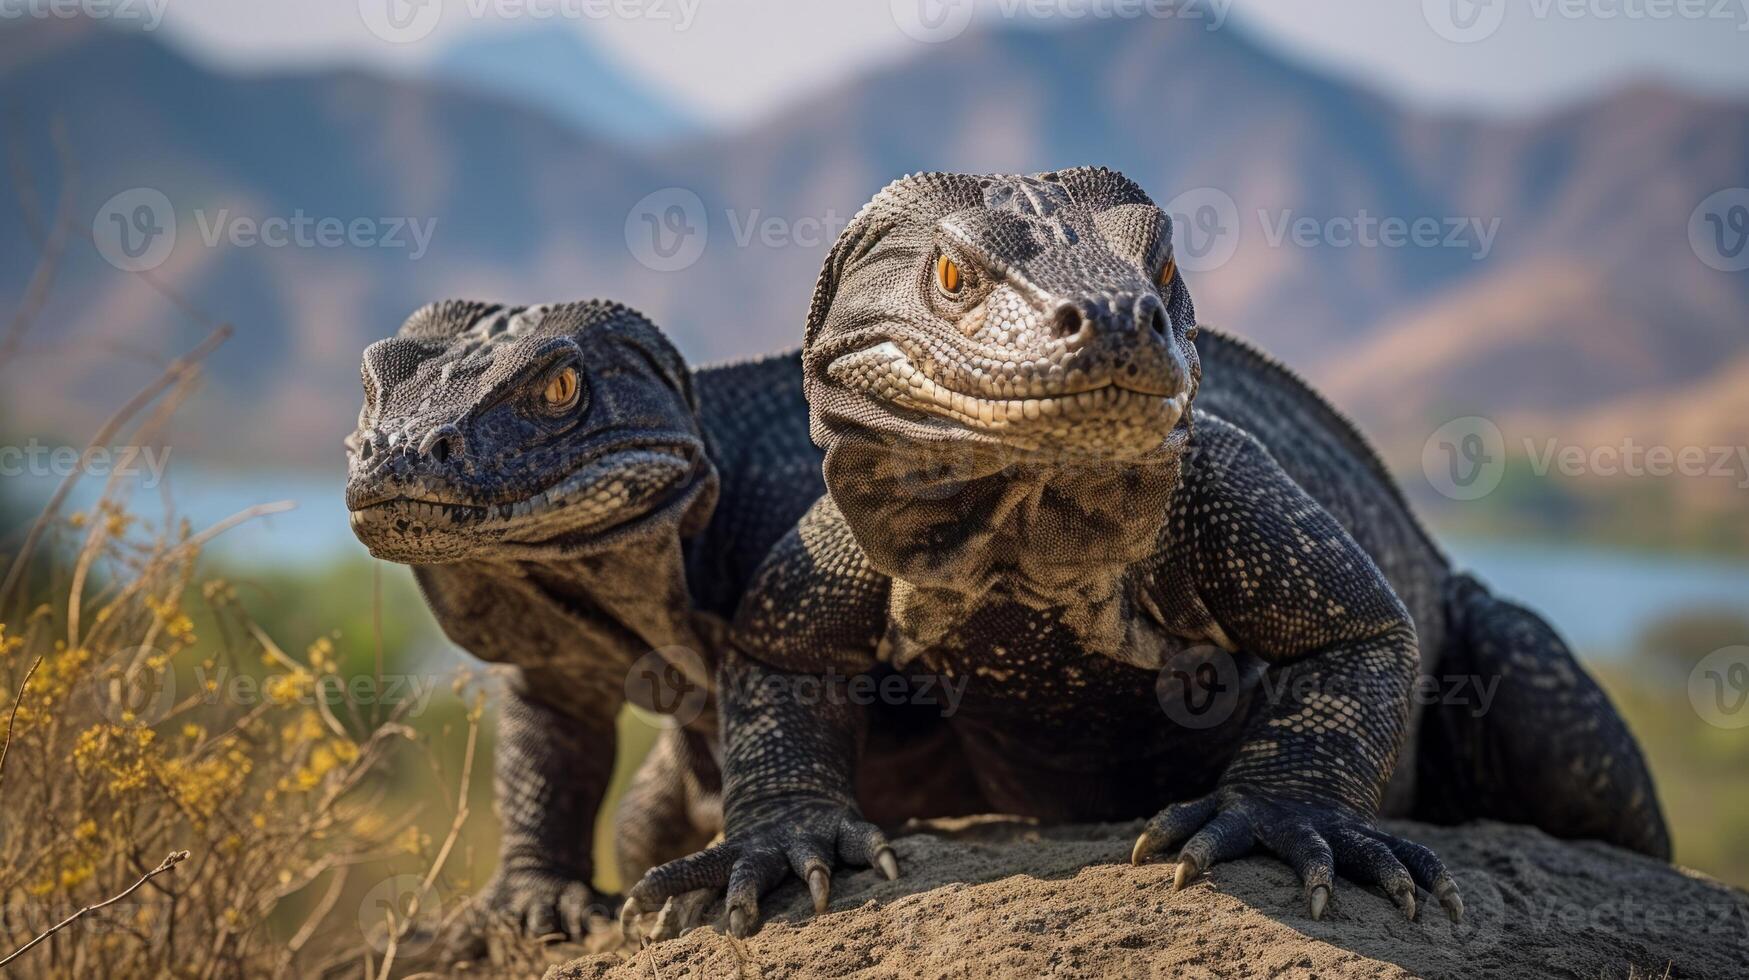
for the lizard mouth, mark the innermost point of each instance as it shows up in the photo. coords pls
(606, 494)
(887, 372)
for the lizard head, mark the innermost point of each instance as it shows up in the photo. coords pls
(502, 432)
(1041, 315)
(1020, 347)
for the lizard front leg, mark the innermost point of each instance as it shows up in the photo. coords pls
(551, 770)
(790, 750)
(554, 755)
(1278, 577)
(789, 799)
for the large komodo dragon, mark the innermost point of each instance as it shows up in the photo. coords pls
(1001, 371)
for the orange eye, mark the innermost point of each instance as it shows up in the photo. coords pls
(947, 275)
(562, 388)
(1168, 270)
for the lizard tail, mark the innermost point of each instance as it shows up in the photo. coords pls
(1529, 734)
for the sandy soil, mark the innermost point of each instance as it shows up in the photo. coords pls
(996, 898)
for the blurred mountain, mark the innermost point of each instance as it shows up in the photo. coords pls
(1569, 291)
(514, 204)
(573, 81)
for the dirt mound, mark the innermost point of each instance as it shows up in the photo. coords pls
(999, 898)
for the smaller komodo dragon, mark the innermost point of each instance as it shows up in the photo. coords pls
(1002, 372)
(571, 498)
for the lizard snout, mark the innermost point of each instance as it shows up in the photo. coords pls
(1132, 335)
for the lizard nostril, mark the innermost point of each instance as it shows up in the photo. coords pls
(1067, 321)
(1157, 321)
(441, 443)
(366, 448)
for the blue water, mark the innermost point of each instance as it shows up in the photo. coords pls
(314, 532)
(1599, 598)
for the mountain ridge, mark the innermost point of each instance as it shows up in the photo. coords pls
(528, 208)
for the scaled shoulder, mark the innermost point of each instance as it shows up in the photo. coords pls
(1217, 446)
(815, 601)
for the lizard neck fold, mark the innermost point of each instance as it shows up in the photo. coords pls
(958, 528)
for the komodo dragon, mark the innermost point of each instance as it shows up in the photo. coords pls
(571, 498)
(1001, 371)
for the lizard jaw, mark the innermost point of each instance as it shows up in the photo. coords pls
(887, 373)
(605, 495)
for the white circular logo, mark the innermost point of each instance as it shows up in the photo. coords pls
(401, 21)
(668, 687)
(390, 905)
(1205, 228)
(667, 230)
(932, 21)
(1465, 459)
(1199, 687)
(1718, 687)
(1718, 230)
(135, 230)
(1464, 21)
(135, 687)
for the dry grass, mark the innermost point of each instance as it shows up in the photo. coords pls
(122, 747)
(196, 803)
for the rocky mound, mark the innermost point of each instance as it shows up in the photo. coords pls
(999, 898)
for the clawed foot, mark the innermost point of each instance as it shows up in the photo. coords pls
(805, 839)
(1318, 842)
(546, 905)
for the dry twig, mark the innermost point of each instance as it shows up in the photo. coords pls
(171, 860)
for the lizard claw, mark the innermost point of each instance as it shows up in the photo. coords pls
(1188, 869)
(888, 864)
(1402, 891)
(819, 888)
(628, 918)
(738, 925)
(1446, 891)
(1318, 901)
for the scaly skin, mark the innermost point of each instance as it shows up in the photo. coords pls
(568, 541)
(1020, 497)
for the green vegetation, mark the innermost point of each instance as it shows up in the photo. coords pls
(1699, 766)
(1707, 516)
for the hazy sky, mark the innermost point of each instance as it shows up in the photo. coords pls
(727, 60)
